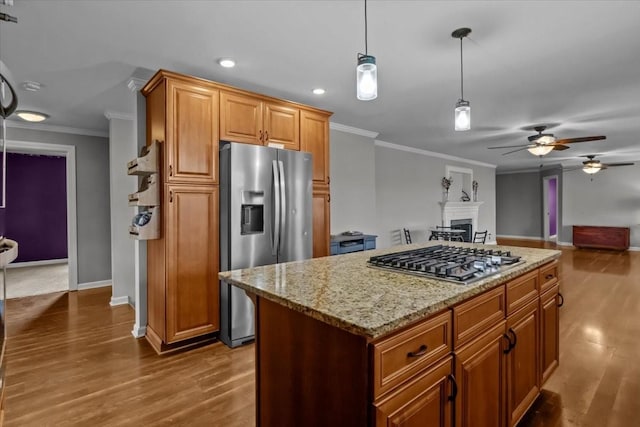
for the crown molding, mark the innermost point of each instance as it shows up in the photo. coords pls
(420, 151)
(353, 130)
(109, 114)
(54, 128)
(135, 84)
(527, 170)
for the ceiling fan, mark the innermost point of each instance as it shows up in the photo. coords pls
(544, 143)
(592, 166)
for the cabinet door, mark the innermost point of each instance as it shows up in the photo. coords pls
(479, 371)
(321, 222)
(314, 138)
(192, 261)
(282, 126)
(549, 333)
(192, 134)
(241, 118)
(423, 402)
(523, 361)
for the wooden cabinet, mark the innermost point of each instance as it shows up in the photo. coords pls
(192, 261)
(314, 138)
(182, 283)
(252, 120)
(425, 401)
(588, 236)
(321, 222)
(522, 361)
(549, 333)
(480, 374)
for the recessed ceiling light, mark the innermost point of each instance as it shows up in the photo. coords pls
(319, 91)
(31, 116)
(31, 86)
(227, 63)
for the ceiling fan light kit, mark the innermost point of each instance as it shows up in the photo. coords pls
(462, 114)
(592, 168)
(366, 70)
(540, 150)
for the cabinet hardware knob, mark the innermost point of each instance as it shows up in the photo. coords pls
(510, 346)
(561, 303)
(261, 136)
(454, 385)
(159, 141)
(170, 170)
(421, 351)
(549, 276)
(329, 198)
(266, 135)
(328, 180)
(170, 196)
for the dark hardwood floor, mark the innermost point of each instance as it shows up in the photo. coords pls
(71, 360)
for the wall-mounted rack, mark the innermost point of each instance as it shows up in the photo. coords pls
(148, 193)
(146, 225)
(147, 163)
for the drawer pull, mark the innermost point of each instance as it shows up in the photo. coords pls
(421, 351)
(515, 338)
(510, 345)
(549, 276)
(454, 386)
(561, 303)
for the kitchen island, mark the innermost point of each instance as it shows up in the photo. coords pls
(341, 343)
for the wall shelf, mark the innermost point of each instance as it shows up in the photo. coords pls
(147, 163)
(148, 231)
(148, 193)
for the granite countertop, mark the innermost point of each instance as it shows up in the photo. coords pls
(344, 292)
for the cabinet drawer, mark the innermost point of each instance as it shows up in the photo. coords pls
(473, 317)
(402, 355)
(548, 276)
(522, 290)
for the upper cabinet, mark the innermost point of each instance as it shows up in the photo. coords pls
(314, 138)
(254, 121)
(184, 115)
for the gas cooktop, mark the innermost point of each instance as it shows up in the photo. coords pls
(451, 263)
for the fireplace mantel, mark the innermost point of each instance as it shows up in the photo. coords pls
(460, 210)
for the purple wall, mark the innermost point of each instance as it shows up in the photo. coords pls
(553, 208)
(36, 213)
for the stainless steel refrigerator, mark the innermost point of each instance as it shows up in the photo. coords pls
(265, 218)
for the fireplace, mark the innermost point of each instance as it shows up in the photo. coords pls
(461, 213)
(466, 225)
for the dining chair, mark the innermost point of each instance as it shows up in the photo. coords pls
(407, 235)
(480, 236)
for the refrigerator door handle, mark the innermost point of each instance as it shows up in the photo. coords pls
(283, 204)
(275, 241)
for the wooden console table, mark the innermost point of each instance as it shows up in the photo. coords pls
(589, 236)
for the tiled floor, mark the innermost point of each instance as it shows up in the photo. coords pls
(44, 279)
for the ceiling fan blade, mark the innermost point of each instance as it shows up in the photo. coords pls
(618, 164)
(512, 146)
(560, 147)
(582, 139)
(515, 151)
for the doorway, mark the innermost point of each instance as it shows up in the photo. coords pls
(550, 207)
(29, 274)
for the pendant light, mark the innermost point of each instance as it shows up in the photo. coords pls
(366, 71)
(463, 109)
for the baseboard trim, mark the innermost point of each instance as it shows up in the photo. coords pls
(506, 236)
(139, 331)
(38, 263)
(119, 301)
(634, 248)
(564, 243)
(91, 285)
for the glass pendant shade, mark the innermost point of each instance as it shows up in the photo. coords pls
(366, 78)
(462, 115)
(592, 168)
(540, 150)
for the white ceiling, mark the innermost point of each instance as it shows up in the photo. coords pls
(569, 63)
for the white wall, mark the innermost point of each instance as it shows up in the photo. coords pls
(612, 198)
(122, 148)
(379, 188)
(353, 192)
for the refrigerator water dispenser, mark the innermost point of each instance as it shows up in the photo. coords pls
(252, 212)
